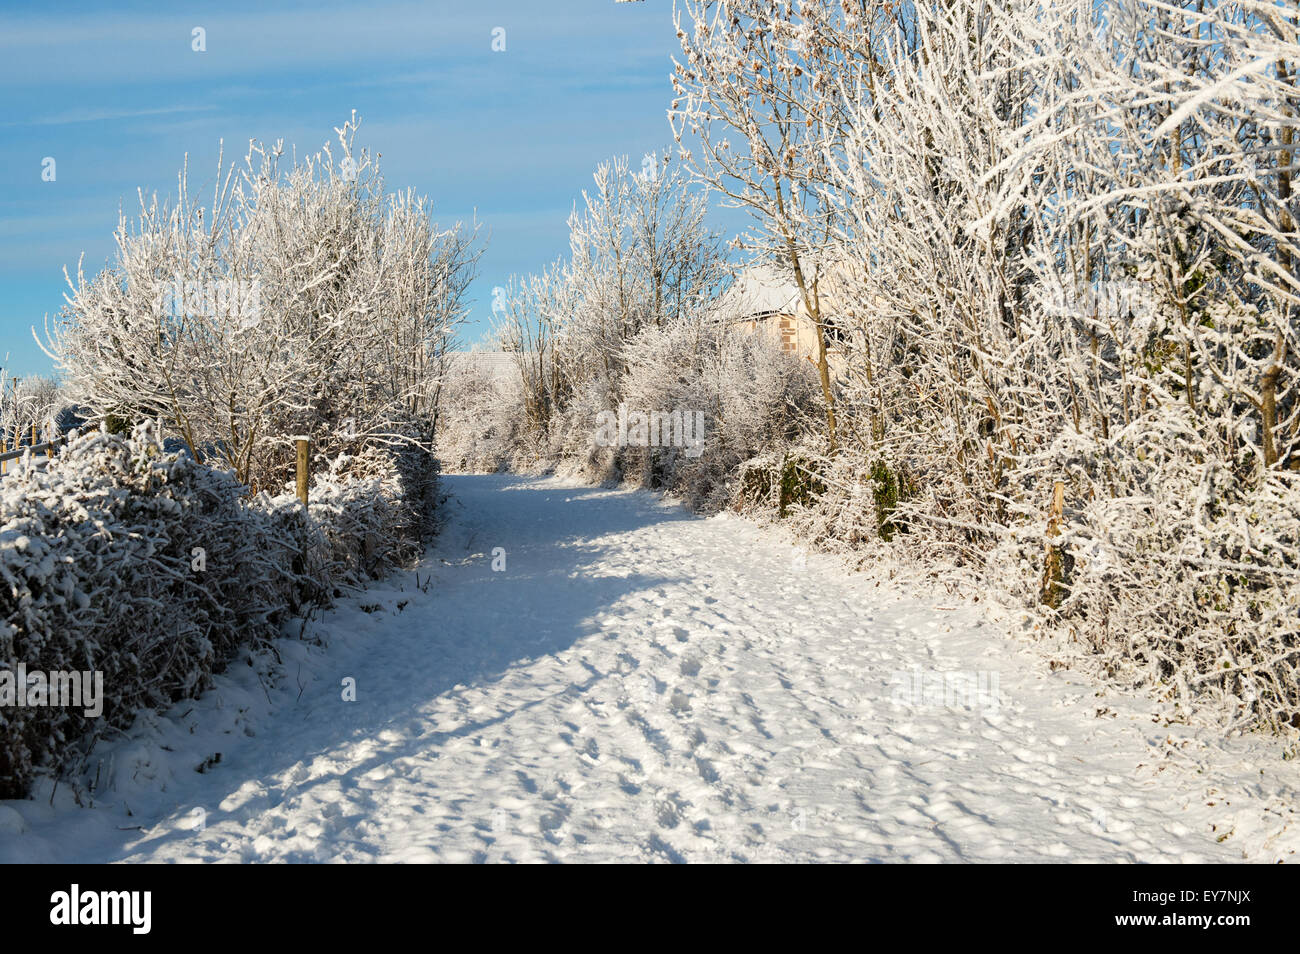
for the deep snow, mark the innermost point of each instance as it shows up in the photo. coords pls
(643, 684)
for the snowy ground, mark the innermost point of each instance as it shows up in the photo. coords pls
(642, 684)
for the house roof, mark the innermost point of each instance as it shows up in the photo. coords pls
(758, 290)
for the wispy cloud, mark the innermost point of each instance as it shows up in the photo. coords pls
(104, 115)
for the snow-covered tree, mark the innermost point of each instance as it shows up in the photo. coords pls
(749, 71)
(301, 300)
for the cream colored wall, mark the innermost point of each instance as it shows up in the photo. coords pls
(797, 333)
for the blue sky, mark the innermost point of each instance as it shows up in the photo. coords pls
(115, 94)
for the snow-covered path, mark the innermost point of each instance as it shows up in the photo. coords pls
(642, 684)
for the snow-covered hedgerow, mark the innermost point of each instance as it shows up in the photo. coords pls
(480, 421)
(36, 404)
(153, 569)
(370, 512)
(1188, 583)
(1059, 245)
(752, 395)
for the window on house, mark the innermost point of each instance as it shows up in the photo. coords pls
(836, 330)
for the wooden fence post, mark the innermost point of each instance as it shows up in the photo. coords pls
(17, 430)
(304, 443)
(1053, 589)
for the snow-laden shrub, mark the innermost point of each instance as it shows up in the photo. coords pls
(480, 425)
(753, 399)
(752, 395)
(307, 297)
(153, 569)
(370, 512)
(1189, 583)
(1074, 272)
(568, 445)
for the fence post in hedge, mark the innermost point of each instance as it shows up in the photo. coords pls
(304, 444)
(1054, 560)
